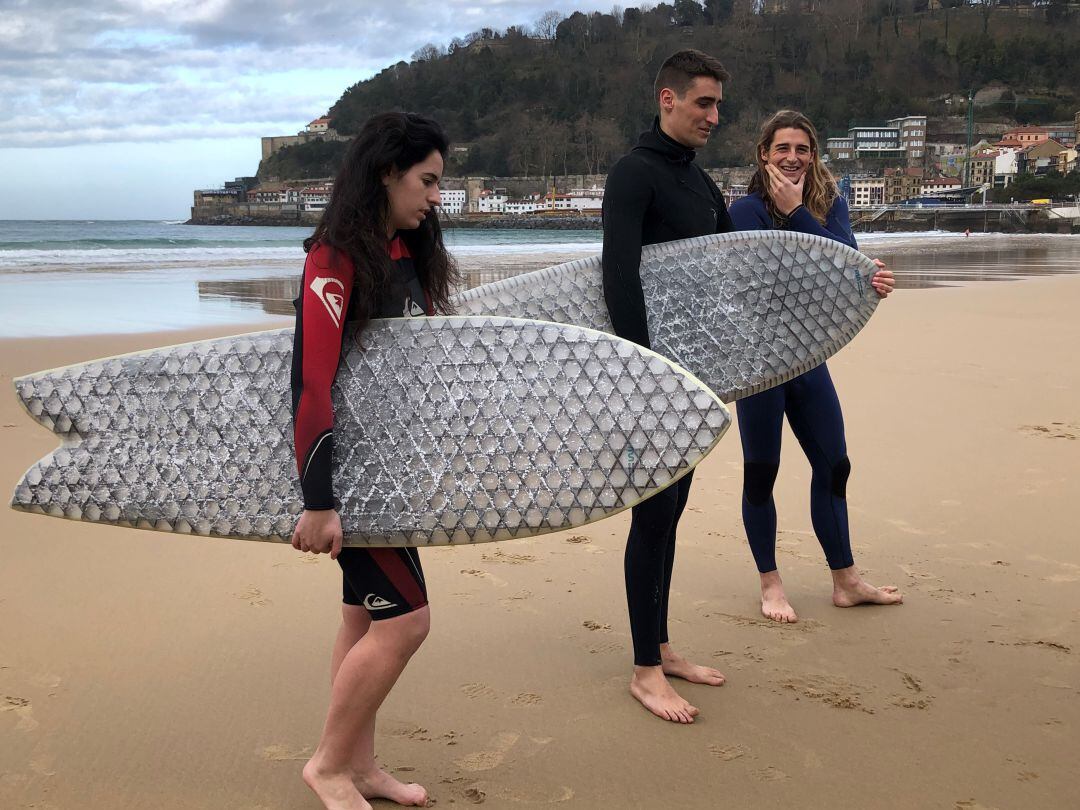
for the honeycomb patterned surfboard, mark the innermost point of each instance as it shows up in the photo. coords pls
(741, 311)
(448, 430)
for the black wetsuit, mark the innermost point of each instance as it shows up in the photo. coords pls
(656, 193)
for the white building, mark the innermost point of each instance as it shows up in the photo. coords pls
(867, 191)
(453, 200)
(490, 202)
(315, 198)
(939, 185)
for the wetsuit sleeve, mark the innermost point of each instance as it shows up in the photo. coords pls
(320, 319)
(749, 214)
(837, 223)
(627, 195)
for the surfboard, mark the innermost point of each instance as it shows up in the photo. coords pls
(741, 311)
(447, 430)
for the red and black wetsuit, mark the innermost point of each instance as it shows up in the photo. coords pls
(387, 581)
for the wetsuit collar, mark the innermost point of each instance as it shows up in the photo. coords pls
(657, 140)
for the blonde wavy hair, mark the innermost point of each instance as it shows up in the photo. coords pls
(819, 187)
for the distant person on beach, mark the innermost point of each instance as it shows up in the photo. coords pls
(377, 253)
(656, 193)
(792, 190)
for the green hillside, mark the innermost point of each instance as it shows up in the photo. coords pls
(570, 95)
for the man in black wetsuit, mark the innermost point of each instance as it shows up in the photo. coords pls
(656, 193)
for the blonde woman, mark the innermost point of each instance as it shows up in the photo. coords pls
(792, 190)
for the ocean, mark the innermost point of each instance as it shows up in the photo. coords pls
(96, 277)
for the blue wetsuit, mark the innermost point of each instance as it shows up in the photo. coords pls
(813, 411)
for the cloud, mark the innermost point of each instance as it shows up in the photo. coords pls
(98, 71)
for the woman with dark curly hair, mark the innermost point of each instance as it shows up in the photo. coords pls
(378, 252)
(792, 190)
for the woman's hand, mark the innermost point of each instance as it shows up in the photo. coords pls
(882, 281)
(786, 196)
(318, 531)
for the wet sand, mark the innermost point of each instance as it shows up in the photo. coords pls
(147, 670)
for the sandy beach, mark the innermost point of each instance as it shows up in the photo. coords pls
(140, 669)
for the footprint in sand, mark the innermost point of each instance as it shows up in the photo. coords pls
(1026, 776)
(492, 757)
(476, 572)
(563, 793)
(526, 699)
(474, 795)
(1055, 430)
(500, 556)
(770, 774)
(578, 539)
(915, 698)
(477, 690)
(253, 596)
(835, 692)
(727, 753)
(609, 647)
(589, 624)
(282, 753)
(23, 709)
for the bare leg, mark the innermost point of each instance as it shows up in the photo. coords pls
(370, 780)
(364, 677)
(774, 603)
(652, 690)
(849, 589)
(678, 667)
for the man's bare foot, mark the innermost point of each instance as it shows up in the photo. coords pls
(849, 589)
(378, 784)
(774, 603)
(653, 691)
(675, 665)
(335, 790)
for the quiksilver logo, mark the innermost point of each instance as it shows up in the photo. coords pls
(373, 602)
(333, 300)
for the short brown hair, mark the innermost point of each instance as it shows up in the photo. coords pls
(682, 67)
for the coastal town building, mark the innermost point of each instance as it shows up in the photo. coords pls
(938, 186)
(1040, 158)
(902, 184)
(1067, 161)
(317, 130)
(1032, 136)
(867, 191)
(315, 198)
(981, 168)
(490, 201)
(903, 138)
(453, 201)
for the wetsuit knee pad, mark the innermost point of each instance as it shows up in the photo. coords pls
(840, 472)
(758, 480)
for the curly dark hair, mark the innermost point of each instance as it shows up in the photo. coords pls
(355, 219)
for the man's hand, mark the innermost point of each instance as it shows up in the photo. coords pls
(882, 281)
(319, 532)
(786, 196)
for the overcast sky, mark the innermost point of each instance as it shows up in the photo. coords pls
(118, 109)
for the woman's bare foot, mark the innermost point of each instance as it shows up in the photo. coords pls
(653, 691)
(774, 603)
(335, 790)
(675, 665)
(378, 784)
(849, 589)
